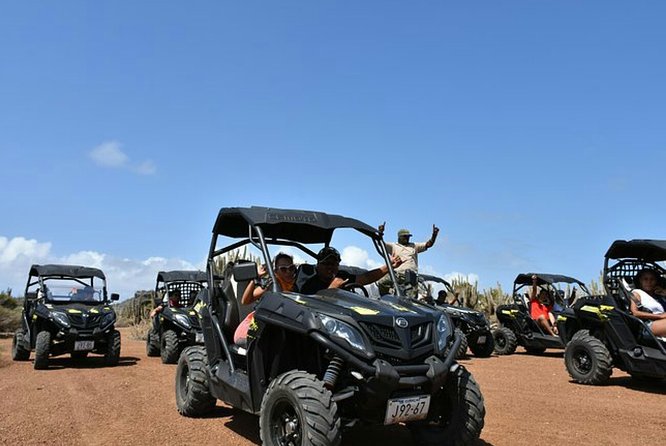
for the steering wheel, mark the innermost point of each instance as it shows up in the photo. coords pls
(351, 286)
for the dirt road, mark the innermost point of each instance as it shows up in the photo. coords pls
(529, 401)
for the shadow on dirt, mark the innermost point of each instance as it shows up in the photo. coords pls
(244, 424)
(547, 354)
(657, 387)
(247, 426)
(91, 362)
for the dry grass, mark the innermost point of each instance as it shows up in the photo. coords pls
(139, 331)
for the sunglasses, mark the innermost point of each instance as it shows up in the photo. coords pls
(287, 269)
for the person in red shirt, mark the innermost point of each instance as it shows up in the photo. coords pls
(541, 308)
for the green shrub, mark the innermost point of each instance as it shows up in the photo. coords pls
(10, 312)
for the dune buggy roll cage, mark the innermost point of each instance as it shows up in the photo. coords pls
(546, 281)
(630, 257)
(260, 227)
(64, 272)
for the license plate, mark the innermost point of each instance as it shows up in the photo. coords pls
(407, 409)
(481, 340)
(84, 345)
(198, 338)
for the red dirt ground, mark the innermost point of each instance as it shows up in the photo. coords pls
(529, 401)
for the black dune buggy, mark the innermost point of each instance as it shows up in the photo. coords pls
(600, 331)
(177, 325)
(473, 326)
(66, 310)
(315, 364)
(516, 325)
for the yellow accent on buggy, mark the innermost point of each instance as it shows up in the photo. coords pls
(365, 311)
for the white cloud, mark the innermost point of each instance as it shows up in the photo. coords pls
(109, 154)
(355, 256)
(124, 276)
(12, 249)
(146, 168)
(469, 277)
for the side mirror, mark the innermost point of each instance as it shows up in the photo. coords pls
(245, 272)
(411, 278)
(115, 296)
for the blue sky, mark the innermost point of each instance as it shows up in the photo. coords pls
(531, 133)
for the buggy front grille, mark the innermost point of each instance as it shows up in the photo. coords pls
(84, 320)
(386, 336)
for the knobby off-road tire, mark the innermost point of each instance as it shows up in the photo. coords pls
(587, 359)
(42, 349)
(460, 413)
(153, 343)
(297, 409)
(505, 341)
(462, 350)
(193, 398)
(170, 347)
(112, 355)
(18, 352)
(483, 350)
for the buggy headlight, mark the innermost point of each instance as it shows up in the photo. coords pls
(60, 318)
(343, 331)
(443, 330)
(107, 319)
(183, 320)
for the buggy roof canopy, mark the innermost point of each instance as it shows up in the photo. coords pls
(526, 279)
(286, 224)
(650, 250)
(181, 276)
(74, 271)
(428, 278)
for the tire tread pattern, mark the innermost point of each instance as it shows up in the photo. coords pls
(198, 401)
(318, 408)
(511, 341)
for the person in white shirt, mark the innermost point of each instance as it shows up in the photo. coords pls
(648, 301)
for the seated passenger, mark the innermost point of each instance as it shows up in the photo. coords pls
(285, 273)
(541, 308)
(173, 301)
(328, 274)
(87, 294)
(648, 301)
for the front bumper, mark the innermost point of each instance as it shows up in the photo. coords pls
(374, 384)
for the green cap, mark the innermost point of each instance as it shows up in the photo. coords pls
(404, 233)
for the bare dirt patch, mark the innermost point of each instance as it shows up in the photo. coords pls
(529, 400)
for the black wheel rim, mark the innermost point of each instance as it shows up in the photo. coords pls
(500, 340)
(582, 361)
(285, 424)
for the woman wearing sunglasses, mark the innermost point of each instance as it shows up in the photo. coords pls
(285, 273)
